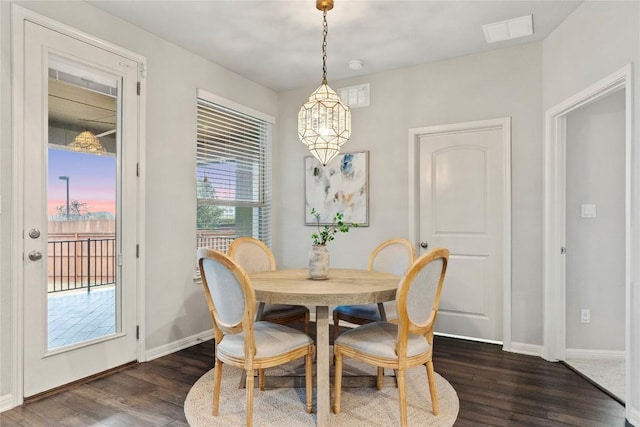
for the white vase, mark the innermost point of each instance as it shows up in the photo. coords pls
(319, 262)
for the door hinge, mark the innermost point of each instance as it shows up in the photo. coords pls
(138, 88)
(138, 169)
(137, 251)
(137, 332)
(563, 250)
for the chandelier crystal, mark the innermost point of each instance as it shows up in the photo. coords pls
(86, 142)
(324, 122)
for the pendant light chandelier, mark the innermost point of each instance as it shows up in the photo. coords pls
(324, 122)
(86, 142)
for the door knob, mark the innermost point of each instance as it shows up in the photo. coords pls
(34, 233)
(35, 255)
(424, 245)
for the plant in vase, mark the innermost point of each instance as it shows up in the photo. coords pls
(319, 255)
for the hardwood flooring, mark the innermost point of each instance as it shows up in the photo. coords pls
(495, 388)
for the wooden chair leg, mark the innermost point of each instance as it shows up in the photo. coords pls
(380, 378)
(249, 387)
(337, 383)
(306, 323)
(308, 373)
(261, 379)
(216, 388)
(432, 388)
(402, 396)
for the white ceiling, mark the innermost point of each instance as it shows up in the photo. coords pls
(279, 43)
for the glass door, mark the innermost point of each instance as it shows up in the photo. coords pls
(80, 266)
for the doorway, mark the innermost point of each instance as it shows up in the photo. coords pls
(460, 196)
(77, 141)
(585, 312)
(595, 210)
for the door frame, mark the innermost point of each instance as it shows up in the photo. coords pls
(554, 333)
(19, 15)
(503, 123)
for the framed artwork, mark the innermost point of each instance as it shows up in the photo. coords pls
(341, 186)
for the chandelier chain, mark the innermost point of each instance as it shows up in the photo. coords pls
(325, 29)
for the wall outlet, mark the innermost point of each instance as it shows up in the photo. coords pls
(585, 315)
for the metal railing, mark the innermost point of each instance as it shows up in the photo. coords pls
(81, 264)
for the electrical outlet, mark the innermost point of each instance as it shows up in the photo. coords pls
(585, 315)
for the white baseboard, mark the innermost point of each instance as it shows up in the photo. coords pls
(578, 353)
(633, 416)
(528, 349)
(6, 402)
(181, 344)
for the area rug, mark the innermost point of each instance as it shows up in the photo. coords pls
(281, 405)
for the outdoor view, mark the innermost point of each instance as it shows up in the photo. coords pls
(81, 207)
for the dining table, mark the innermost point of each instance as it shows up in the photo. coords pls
(342, 287)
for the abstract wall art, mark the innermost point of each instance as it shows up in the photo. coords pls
(341, 186)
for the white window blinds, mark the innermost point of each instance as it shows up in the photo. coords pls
(233, 175)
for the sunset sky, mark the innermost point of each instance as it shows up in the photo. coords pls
(92, 180)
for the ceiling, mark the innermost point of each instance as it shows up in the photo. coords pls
(278, 43)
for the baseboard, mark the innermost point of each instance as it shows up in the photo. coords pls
(633, 416)
(178, 345)
(578, 353)
(6, 402)
(528, 349)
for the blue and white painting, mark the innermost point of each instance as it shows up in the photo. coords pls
(340, 186)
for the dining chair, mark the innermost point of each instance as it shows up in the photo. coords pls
(240, 340)
(407, 343)
(254, 256)
(391, 256)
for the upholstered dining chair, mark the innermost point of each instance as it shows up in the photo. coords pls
(240, 340)
(391, 256)
(405, 344)
(254, 256)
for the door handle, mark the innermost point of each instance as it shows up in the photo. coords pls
(34, 233)
(424, 245)
(35, 255)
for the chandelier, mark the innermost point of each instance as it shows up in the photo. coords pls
(324, 122)
(87, 142)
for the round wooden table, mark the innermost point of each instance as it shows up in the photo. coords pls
(344, 286)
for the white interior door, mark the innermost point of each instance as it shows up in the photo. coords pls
(79, 291)
(462, 205)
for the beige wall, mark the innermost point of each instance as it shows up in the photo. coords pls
(506, 82)
(174, 305)
(598, 39)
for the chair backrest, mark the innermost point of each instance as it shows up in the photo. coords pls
(392, 256)
(418, 296)
(252, 254)
(230, 296)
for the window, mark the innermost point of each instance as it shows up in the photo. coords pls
(233, 173)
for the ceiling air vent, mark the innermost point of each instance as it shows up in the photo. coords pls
(509, 29)
(355, 96)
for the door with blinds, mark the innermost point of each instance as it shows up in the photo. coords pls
(233, 172)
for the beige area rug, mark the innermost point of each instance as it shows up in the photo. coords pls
(282, 405)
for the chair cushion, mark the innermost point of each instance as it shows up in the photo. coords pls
(379, 339)
(271, 340)
(366, 311)
(275, 311)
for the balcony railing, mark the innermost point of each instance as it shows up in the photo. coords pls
(81, 264)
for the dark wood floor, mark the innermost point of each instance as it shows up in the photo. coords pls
(495, 388)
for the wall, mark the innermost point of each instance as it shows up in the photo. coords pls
(596, 40)
(506, 82)
(596, 246)
(174, 305)
(6, 321)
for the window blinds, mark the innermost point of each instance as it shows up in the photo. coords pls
(234, 170)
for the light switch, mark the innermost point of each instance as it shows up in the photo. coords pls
(588, 211)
